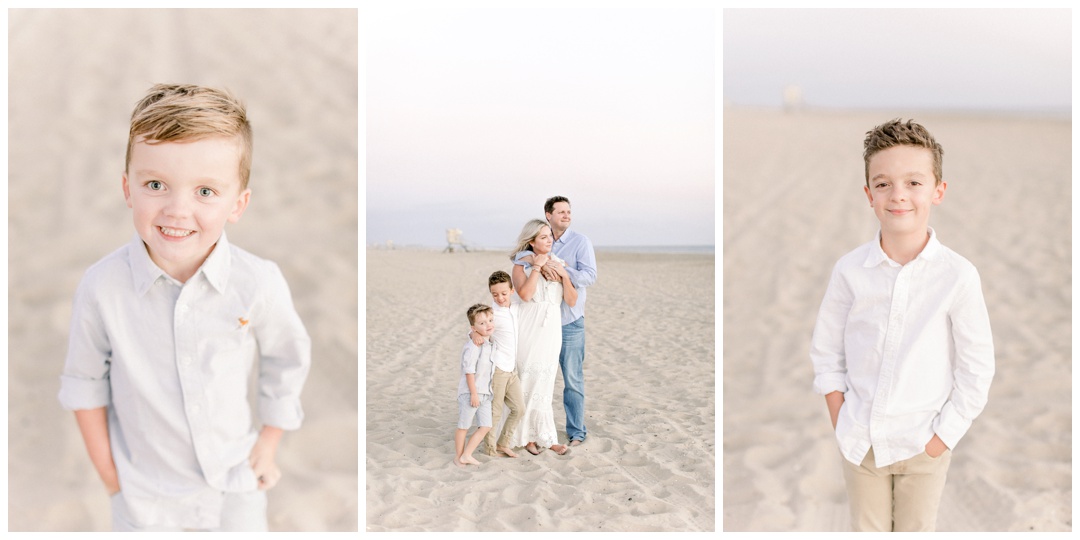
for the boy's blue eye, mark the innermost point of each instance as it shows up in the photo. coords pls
(155, 185)
(206, 192)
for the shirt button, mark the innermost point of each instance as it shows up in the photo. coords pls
(194, 409)
(186, 360)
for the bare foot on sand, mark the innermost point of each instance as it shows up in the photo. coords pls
(506, 450)
(470, 460)
(457, 461)
(559, 449)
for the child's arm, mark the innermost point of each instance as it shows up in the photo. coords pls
(477, 339)
(94, 425)
(974, 362)
(263, 455)
(833, 400)
(474, 399)
(284, 361)
(827, 344)
(85, 385)
(284, 354)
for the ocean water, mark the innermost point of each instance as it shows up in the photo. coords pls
(704, 250)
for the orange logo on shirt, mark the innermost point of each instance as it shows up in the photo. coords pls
(243, 322)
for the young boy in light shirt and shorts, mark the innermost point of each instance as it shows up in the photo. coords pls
(165, 331)
(474, 386)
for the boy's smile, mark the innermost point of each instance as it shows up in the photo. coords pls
(484, 324)
(181, 195)
(500, 292)
(902, 189)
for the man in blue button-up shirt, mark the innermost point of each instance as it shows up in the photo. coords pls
(577, 251)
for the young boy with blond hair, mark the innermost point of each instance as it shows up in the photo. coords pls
(902, 349)
(164, 331)
(474, 385)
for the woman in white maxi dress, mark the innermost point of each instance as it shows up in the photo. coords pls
(539, 336)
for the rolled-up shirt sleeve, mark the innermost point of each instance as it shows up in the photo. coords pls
(827, 344)
(974, 362)
(284, 355)
(84, 383)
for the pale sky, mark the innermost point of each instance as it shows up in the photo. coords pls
(476, 116)
(1012, 60)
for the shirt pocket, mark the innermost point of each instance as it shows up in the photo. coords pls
(226, 344)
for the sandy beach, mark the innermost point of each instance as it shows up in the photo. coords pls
(649, 461)
(793, 204)
(74, 76)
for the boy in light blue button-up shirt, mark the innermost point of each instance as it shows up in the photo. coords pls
(165, 331)
(474, 385)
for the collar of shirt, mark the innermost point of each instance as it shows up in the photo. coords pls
(930, 252)
(144, 272)
(567, 235)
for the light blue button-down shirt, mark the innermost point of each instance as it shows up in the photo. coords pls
(576, 250)
(479, 361)
(171, 363)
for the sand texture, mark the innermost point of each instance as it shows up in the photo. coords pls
(793, 204)
(74, 76)
(648, 462)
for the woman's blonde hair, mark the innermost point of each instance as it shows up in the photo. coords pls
(528, 233)
(185, 112)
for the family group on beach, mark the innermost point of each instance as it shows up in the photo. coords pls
(515, 347)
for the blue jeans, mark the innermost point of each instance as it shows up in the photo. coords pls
(572, 360)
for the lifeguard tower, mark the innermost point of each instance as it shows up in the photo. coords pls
(453, 238)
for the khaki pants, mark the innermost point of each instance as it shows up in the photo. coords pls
(903, 496)
(505, 388)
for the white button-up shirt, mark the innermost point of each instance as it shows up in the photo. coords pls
(908, 345)
(504, 339)
(171, 363)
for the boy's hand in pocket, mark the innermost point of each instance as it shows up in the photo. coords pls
(935, 447)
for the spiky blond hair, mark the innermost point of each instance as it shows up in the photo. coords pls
(186, 112)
